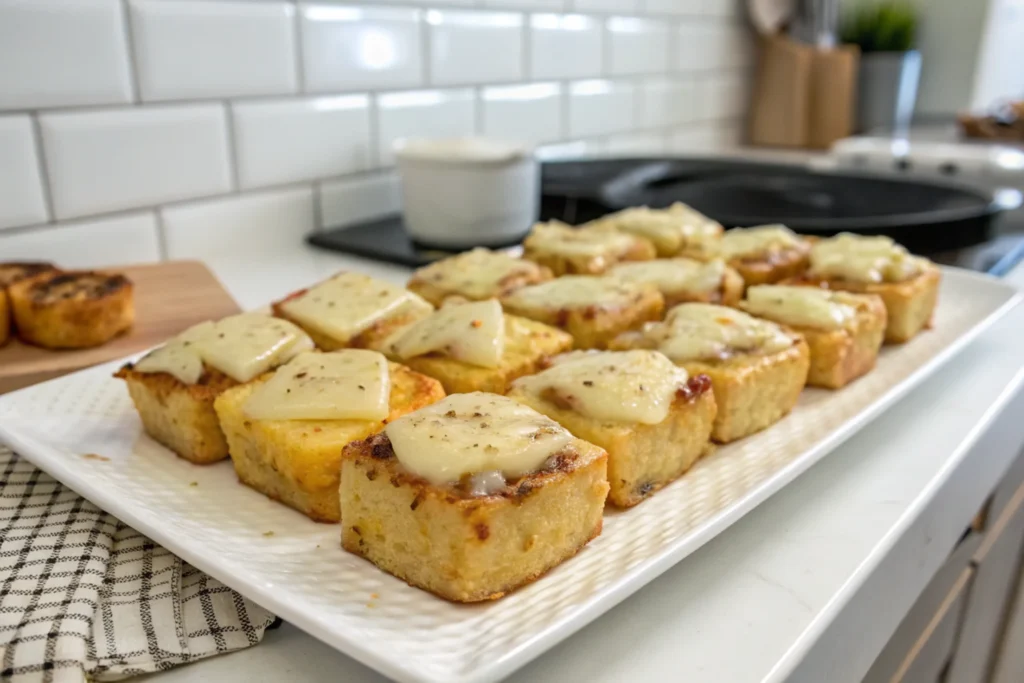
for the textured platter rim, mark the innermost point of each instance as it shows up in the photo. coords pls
(625, 583)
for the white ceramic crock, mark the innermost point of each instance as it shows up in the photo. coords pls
(467, 192)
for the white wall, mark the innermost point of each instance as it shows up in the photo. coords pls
(1000, 73)
(138, 130)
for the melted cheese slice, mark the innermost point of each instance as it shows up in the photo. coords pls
(694, 332)
(473, 333)
(673, 275)
(247, 345)
(626, 386)
(575, 291)
(352, 384)
(241, 346)
(863, 259)
(350, 303)
(559, 239)
(759, 241)
(178, 357)
(670, 229)
(467, 434)
(801, 306)
(478, 274)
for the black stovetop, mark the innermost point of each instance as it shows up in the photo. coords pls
(951, 224)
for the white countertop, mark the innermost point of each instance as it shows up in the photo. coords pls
(808, 587)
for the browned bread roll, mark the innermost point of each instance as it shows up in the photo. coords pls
(9, 274)
(72, 310)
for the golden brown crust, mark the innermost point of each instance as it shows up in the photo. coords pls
(298, 462)
(593, 327)
(469, 548)
(910, 304)
(777, 266)
(5, 318)
(72, 310)
(16, 271)
(178, 415)
(527, 344)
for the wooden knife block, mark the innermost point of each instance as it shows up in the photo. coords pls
(803, 96)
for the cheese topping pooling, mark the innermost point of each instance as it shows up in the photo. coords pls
(625, 386)
(352, 384)
(575, 291)
(556, 238)
(473, 333)
(757, 242)
(178, 357)
(670, 229)
(350, 303)
(694, 332)
(863, 259)
(467, 434)
(478, 274)
(673, 275)
(241, 346)
(802, 306)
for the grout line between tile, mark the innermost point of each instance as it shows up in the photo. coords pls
(161, 233)
(42, 167)
(133, 63)
(297, 48)
(230, 141)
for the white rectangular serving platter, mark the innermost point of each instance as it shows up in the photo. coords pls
(82, 430)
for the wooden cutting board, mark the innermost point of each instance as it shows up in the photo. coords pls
(169, 297)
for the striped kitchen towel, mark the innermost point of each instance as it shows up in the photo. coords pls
(84, 596)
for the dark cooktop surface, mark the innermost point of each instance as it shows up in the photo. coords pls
(953, 224)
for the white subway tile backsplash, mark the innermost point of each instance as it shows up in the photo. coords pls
(600, 107)
(678, 7)
(574, 149)
(694, 47)
(200, 48)
(475, 47)
(235, 226)
(430, 113)
(111, 241)
(666, 101)
(107, 160)
(640, 144)
(523, 113)
(728, 9)
(638, 46)
(301, 139)
(536, 5)
(607, 6)
(357, 200)
(21, 188)
(57, 53)
(351, 47)
(565, 46)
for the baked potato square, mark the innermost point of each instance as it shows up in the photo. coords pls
(764, 254)
(178, 415)
(527, 345)
(844, 331)
(678, 230)
(757, 368)
(475, 275)
(566, 250)
(298, 462)
(652, 418)
(684, 280)
(481, 536)
(908, 285)
(351, 310)
(594, 310)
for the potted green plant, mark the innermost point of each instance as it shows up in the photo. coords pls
(890, 67)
